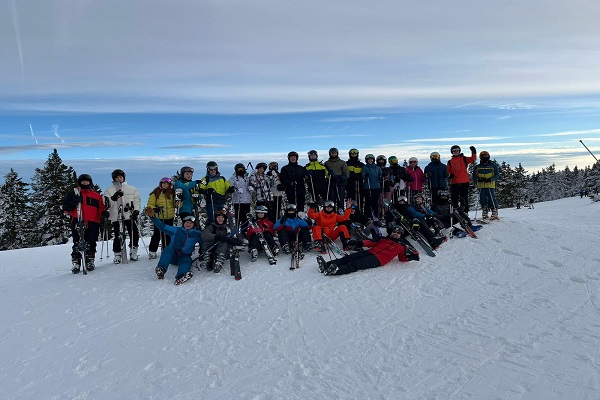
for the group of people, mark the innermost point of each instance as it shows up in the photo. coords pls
(299, 203)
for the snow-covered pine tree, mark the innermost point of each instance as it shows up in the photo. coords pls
(50, 186)
(15, 213)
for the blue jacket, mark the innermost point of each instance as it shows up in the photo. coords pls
(290, 224)
(183, 241)
(436, 174)
(374, 173)
(187, 205)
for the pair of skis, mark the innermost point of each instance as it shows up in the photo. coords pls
(414, 234)
(464, 224)
(81, 244)
(261, 238)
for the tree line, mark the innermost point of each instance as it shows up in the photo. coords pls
(31, 213)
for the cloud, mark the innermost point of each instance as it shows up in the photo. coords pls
(353, 119)
(458, 139)
(195, 146)
(51, 146)
(570, 133)
(504, 118)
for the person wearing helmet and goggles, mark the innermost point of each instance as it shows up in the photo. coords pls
(436, 174)
(162, 201)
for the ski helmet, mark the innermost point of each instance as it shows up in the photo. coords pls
(329, 203)
(393, 160)
(381, 157)
(353, 152)
(211, 166)
(261, 165)
(413, 159)
(394, 228)
(220, 213)
(85, 177)
(292, 154)
(183, 170)
(261, 209)
(273, 166)
(333, 150)
(443, 193)
(454, 148)
(371, 156)
(166, 179)
(402, 198)
(434, 156)
(419, 196)
(484, 156)
(117, 172)
(239, 167)
(313, 155)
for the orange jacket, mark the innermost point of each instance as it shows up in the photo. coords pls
(457, 166)
(324, 220)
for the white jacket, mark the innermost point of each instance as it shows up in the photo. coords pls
(131, 196)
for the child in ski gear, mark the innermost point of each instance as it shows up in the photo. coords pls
(359, 226)
(379, 254)
(398, 177)
(292, 181)
(264, 227)
(329, 223)
(424, 214)
(355, 179)
(317, 177)
(184, 188)
(217, 240)
(458, 174)
(162, 201)
(289, 226)
(415, 184)
(123, 203)
(443, 212)
(386, 189)
(338, 177)
(276, 203)
(436, 174)
(91, 208)
(242, 195)
(215, 189)
(262, 185)
(486, 174)
(372, 180)
(411, 218)
(179, 251)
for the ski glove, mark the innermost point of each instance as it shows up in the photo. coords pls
(473, 150)
(135, 214)
(118, 194)
(105, 214)
(230, 189)
(281, 187)
(283, 219)
(150, 212)
(355, 243)
(220, 238)
(451, 176)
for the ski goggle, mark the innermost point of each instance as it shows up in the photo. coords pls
(166, 180)
(353, 152)
(393, 160)
(212, 168)
(189, 170)
(190, 218)
(220, 213)
(329, 204)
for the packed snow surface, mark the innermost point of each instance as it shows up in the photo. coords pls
(513, 314)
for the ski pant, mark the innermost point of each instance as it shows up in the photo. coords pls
(337, 190)
(371, 202)
(286, 236)
(435, 198)
(354, 191)
(459, 193)
(275, 208)
(132, 231)
(241, 211)
(254, 241)
(92, 231)
(487, 198)
(355, 262)
(296, 197)
(158, 236)
(331, 233)
(172, 256)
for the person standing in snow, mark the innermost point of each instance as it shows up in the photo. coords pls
(317, 178)
(372, 179)
(417, 177)
(124, 199)
(436, 174)
(486, 174)
(262, 185)
(215, 189)
(92, 208)
(162, 201)
(458, 173)
(242, 196)
(276, 203)
(338, 177)
(184, 188)
(292, 181)
(355, 180)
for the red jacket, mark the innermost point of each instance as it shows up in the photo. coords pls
(264, 225)
(386, 249)
(92, 206)
(457, 165)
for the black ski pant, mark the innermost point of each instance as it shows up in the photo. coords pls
(92, 231)
(286, 236)
(158, 236)
(296, 197)
(132, 231)
(371, 202)
(354, 262)
(241, 212)
(254, 241)
(275, 208)
(459, 193)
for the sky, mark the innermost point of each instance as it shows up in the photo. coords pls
(511, 315)
(150, 86)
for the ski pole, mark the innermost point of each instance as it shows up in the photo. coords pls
(140, 235)
(588, 150)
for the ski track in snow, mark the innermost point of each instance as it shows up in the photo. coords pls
(513, 314)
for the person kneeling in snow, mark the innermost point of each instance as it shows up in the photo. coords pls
(379, 254)
(179, 252)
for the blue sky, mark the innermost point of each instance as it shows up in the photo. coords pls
(149, 89)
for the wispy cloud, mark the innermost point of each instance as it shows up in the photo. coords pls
(571, 133)
(504, 118)
(196, 146)
(50, 146)
(458, 139)
(353, 119)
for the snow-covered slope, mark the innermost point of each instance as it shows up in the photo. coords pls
(511, 315)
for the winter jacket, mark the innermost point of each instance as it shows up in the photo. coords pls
(274, 179)
(219, 184)
(386, 250)
(458, 166)
(187, 188)
(292, 177)
(355, 167)
(262, 186)
(214, 229)
(243, 190)
(166, 200)
(418, 212)
(328, 220)
(92, 205)
(264, 225)
(385, 178)
(436, 174)
(290, 224)
(397, 174)
(337, 167)
(183, 241)
(317, 175)
(488, 170)
(371, 174)
(130, 195)
(417, 176)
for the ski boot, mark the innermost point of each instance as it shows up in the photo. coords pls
(286, 248)
(332, 269)
(322, 264)
(435, 243)
(495, 215)
(76, 265)
(307, 247)
(484, 213)
(179, 279)
(134, 254)
(253, 255)
(160, 271)
(275, 252)
(218, 264)
(117, 258)
(89, 264)
(319, 247)
(152, 255)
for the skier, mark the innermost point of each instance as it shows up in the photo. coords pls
(92, 208)
(292, 181)
(215, 189)
(386, 189)
(436, 174)
(486, 174)
(415, 185)
(317, 178)
(355, 180)
(266, 228)
(217, 240)
(276, 204)
(372, 179)
(398, 177)
(443, 211)
(262, 185)
(182, 245)
(411, 218)
(162, 201)
(379, 254)
(291, 226)
(184, 187)
(329, 223)
(242, 195)
(458, 174)
(124, 203)
(338, 177)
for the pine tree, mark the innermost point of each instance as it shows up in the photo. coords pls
(15, 213)
(50, 186)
